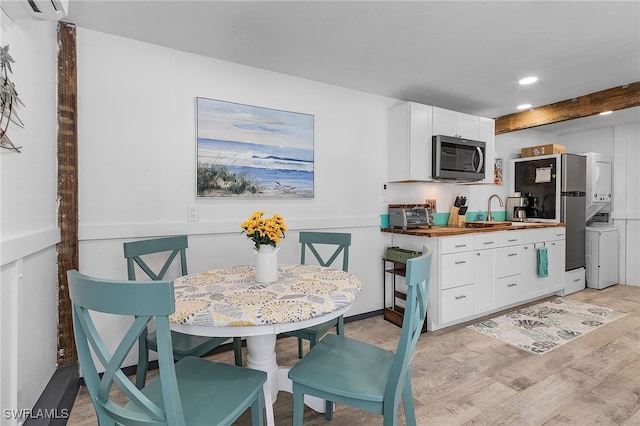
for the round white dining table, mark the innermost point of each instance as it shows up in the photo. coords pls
(228, 302)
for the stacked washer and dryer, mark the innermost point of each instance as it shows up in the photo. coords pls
(601, 239)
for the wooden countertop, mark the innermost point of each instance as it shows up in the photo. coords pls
(447, 231)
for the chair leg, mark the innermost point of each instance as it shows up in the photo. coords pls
(328, 410)
(257, 410)
(298, 406)
(143, 361)
(300, 344)
(237, 351)
(340, 326)
(407, 401)
(313, 341)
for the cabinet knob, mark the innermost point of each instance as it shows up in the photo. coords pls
(512, 285)
(459, 262)
(462, 296)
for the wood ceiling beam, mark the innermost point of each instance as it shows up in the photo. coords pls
(617, 98)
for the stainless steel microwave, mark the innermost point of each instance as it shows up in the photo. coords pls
(457, 159)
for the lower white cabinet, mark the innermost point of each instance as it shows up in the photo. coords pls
(456, 303)
(479, 273)
(510, 290)
(483, 272)
(457, 269)
(555, 254)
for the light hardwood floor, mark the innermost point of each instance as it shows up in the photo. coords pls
(461, 377)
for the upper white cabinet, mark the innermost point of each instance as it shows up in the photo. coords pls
(410, 128)
(487, 134)
(451, 123)
(409, 131)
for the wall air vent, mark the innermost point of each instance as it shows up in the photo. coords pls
(43, 10)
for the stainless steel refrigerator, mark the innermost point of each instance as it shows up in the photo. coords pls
(556, 187)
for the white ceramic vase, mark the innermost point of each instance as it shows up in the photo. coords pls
(267, 264)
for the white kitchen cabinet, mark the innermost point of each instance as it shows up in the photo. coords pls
(409, 131)
(555, 254)
(457, 269)
(452, 123)
(487, 134)
(484, 271)
(484, 280)
(456, 303)
(510, 283)
(510, 261)
(410, 127)
(510, 290)
(456, 277)
(535, 285)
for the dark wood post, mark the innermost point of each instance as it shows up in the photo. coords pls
(67, 186)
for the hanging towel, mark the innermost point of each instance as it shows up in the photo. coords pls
(543, 262)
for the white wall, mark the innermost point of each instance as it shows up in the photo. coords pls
(626, 201)
(28, 223)
(137, 159)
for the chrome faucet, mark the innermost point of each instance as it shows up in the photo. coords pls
(489, 217)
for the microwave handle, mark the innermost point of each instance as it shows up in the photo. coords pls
(481, 162)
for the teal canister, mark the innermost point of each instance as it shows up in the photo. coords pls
(384, 221)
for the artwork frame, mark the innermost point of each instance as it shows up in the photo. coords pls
(498, 169)
(247, 151)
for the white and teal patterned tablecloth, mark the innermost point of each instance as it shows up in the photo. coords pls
(230, 297)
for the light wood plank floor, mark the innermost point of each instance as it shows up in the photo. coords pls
(461, 377)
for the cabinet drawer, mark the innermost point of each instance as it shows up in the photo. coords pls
(510, 261)
(457, 244)
(456, 303)
(457, 269)
(553, 234)
(510, 238)
(510, 290)
(485, 240)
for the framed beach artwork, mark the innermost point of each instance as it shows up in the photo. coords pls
(246, 151)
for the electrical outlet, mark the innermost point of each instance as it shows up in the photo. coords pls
(383, 196)
(193, 213)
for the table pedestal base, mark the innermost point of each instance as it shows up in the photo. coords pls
(262, 356)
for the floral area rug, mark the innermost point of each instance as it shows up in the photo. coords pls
(548, 325)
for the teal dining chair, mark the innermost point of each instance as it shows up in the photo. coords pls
(364, 376)
(183, 344)
(340, 243)
(192, 391)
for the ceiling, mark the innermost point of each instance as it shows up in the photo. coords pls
(462, 55)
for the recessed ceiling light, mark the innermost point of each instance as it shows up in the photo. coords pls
(528, 80)
(605, 112)
(524, 106)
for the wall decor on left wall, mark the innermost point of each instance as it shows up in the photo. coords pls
(248, 151)
(9, 100)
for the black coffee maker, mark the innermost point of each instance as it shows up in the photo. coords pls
(522, 208)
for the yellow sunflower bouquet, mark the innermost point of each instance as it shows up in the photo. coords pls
(269, 231)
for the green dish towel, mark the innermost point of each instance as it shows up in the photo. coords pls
(543, 262)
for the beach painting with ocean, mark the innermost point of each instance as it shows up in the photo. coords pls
(250, 151)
